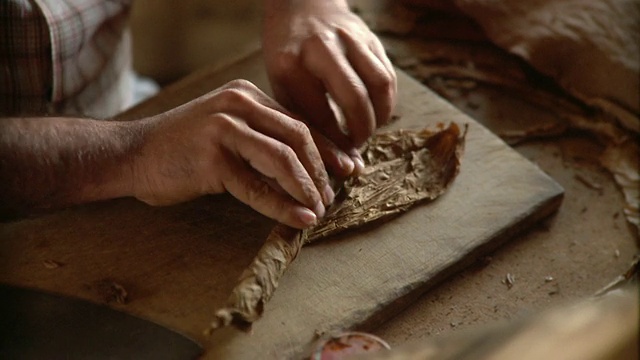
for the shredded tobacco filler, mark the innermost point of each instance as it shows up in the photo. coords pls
(403, 167)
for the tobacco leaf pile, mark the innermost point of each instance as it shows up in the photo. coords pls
(402, 169)
(462, 48)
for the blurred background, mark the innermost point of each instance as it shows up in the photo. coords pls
(174, 37)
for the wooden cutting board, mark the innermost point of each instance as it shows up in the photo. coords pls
(178, 264)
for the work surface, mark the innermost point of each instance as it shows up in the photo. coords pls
(179, 263)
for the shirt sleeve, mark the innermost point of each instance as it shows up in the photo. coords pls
(25, 58)
(76, 61)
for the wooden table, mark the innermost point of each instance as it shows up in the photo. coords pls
(179, 263)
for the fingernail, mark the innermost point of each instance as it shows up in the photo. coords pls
(347, 164)
(359, 166)
(319, 209)
(305, 215)
(328, 195)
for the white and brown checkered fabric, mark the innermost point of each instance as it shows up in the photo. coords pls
(64, 57)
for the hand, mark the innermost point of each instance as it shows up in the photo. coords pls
(239, 140)
(312, 48)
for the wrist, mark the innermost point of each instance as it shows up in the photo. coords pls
(143, 158)
(116, 177)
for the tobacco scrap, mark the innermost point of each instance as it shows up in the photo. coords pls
(631, 274)
(588, 182)
(402, 168)
(51, 264)
(509, 280)
(623, 161)
(110, 291)
(514, 137)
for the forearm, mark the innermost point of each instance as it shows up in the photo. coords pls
(48, 163)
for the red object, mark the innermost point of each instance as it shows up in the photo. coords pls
(348, 343)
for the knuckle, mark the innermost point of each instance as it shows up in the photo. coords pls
(224, 124)
(283, 63)
(300, 133)
(322, 37)
(382, 82)
(223, 121)
(287, 161)
(285, 158)
(303, 140)
(234, 96)
(241, 84)
(320, 175)
(358, 97)
(394, 76)
(319, 41)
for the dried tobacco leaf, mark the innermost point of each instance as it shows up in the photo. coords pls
(259, 281)
(402, 168)
(584, 100)
(623, 161)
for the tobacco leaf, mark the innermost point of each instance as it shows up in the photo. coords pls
(402, 168)
(623, 161)
(601, 100)
(260, 280)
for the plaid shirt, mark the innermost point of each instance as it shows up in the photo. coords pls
(64, 57)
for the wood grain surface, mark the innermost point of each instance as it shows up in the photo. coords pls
(179, 263)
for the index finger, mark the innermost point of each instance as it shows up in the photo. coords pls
(278, 161)
(326, 61)
(380, 82)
